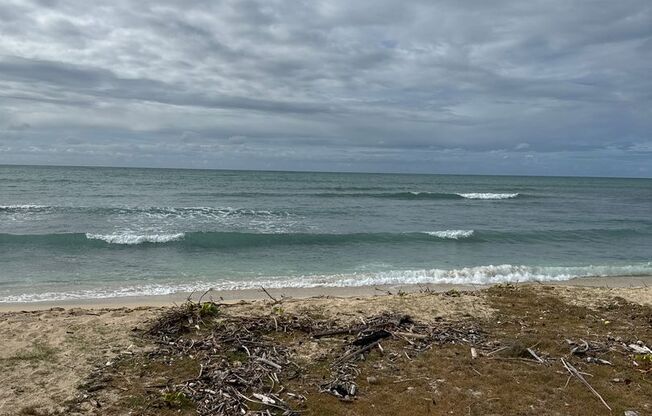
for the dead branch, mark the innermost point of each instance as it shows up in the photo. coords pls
(573, 371)
(270, 296)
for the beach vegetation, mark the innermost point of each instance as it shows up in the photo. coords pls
(176, 399)
(209, 309)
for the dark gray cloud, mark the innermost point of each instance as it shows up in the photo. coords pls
(470, 87)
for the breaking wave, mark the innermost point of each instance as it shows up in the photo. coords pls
(451, 234)
(487, 195)
(422, 195)
(232, 239)
(19, 208)
(479, 275)
(130, 239)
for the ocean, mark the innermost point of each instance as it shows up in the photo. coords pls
(86, 232)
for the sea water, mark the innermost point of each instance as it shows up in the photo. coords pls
(82, 233)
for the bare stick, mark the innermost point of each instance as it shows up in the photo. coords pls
(202, 296)
(268, 362)
(357, 352)
(338, 332)
(270, 296)
(573, 371)
(536, 357)
(495, 351)
(411, 335)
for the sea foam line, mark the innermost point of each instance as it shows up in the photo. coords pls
(23, 207)
(479, 275)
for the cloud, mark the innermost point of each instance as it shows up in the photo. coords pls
(367, 85)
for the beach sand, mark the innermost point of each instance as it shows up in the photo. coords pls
(48, 352)
(620, 282)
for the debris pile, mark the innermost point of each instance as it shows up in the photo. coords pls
(241, 368)
(416, 337)
(244, 369)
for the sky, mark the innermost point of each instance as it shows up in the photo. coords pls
(554, 87)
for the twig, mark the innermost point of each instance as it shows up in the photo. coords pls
(573, 371)
(338, 332)
(495, 351)
(204, 294)
(352, 354)
(536, 357)
(410, 335)
(270, 296)
(411, 379)
(268, 362)
(518, 359)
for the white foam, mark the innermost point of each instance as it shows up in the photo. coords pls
(131, 239)
(488, 195)
(226, 217)
(451, 234)
(480, 275)
(25, 207)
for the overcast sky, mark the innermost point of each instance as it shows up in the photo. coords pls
(506, 87)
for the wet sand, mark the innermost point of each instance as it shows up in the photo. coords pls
(230, 296)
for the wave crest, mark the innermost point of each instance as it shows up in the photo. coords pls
(450, 234)
(488, 195)
(23, 207)
(133, 239)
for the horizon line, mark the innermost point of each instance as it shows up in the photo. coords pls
(318, 171)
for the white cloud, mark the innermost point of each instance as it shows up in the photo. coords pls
(280, 80)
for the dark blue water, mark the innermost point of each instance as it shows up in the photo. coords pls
(72, 232)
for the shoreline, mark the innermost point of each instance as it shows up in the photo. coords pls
(103, 359)
(234, 296)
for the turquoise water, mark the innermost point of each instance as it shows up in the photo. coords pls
(73, 232)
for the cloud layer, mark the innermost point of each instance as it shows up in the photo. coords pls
(540, 87)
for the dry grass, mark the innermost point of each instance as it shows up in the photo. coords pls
(444, 379)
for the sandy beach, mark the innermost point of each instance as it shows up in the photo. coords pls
(621, 282)
(50, 353)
